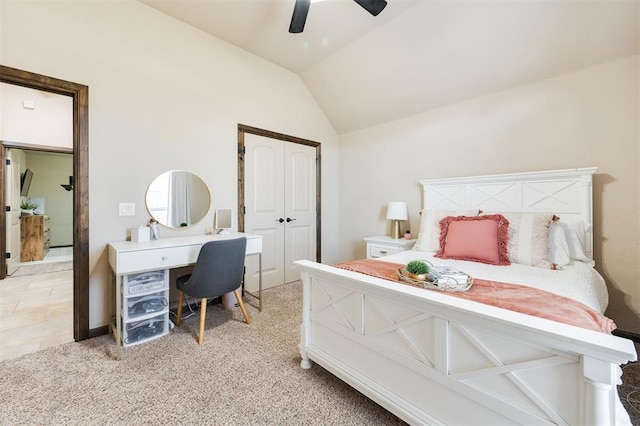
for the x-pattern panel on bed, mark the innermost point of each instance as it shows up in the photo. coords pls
(501, 373)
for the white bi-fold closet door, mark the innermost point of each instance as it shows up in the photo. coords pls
(280, 204)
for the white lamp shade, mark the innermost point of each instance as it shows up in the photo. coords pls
(397, 210)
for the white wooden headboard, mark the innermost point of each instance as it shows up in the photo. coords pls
(566, 193)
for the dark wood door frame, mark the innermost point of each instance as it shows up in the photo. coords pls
(242, 130)
(80, 95)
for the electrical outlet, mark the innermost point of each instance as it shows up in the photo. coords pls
(127, 209)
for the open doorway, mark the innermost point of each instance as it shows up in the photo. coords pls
(80, 194)
(43, 242)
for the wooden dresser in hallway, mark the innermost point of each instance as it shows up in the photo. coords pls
(34, 237)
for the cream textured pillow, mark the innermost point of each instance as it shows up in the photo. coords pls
(529, 238)
(429, 236)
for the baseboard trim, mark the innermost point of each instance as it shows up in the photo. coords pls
(627, 335)
(98, 331)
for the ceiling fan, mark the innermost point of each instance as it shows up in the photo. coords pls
(301, 9)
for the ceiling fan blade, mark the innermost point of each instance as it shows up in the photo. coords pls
(372, 6)
(299, 17)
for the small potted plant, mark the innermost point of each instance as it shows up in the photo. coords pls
(417, 270)
(28, 207)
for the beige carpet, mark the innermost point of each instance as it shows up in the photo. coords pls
(241, 375)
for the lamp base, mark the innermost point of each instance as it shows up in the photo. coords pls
(395, 229)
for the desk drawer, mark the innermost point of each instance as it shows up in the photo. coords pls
(254, 245)
(160, 258)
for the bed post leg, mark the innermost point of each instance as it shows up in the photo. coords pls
(305, 364)
(586, 210)
(598, 408)
(305, 328)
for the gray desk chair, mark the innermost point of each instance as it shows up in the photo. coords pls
(218, 271)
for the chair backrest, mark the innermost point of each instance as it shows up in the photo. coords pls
(219, 268)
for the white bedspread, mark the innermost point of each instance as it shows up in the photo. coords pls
(577, 281)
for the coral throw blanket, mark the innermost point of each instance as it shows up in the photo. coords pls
(518, 298)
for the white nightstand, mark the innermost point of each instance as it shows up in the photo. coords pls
(381, 246)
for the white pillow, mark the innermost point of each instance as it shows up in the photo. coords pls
(429, 236)
(529, 238)
(576, 236)
(559, 252)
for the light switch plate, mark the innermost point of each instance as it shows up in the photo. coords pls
(127, 209)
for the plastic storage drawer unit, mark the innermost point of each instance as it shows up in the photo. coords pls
(145, 330)
(143, 306)
(145, 282)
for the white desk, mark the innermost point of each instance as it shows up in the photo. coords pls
(128, 257)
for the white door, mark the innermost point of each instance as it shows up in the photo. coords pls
(12, 193)
(264, 208)
(280, 205)
(300, 207)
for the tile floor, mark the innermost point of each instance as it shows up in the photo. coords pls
(56, 254)
(36, 311)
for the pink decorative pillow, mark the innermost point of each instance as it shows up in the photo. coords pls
(475, 238)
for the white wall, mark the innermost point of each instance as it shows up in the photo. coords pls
(162, 96)
(581, 119)
(49, 123)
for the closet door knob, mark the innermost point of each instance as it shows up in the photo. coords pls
(280, 220)
(290, 220)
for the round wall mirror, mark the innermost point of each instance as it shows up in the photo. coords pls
(178, 199)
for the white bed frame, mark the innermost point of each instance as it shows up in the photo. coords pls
(433, 359)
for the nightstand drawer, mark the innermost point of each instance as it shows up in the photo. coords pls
(382, 246)
(381, 251)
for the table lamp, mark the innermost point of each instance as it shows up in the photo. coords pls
(396, 211)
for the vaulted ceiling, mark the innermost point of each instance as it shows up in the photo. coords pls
(418, 55)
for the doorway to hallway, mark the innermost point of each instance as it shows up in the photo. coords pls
(80, 95)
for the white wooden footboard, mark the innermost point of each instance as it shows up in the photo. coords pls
(433, 359)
